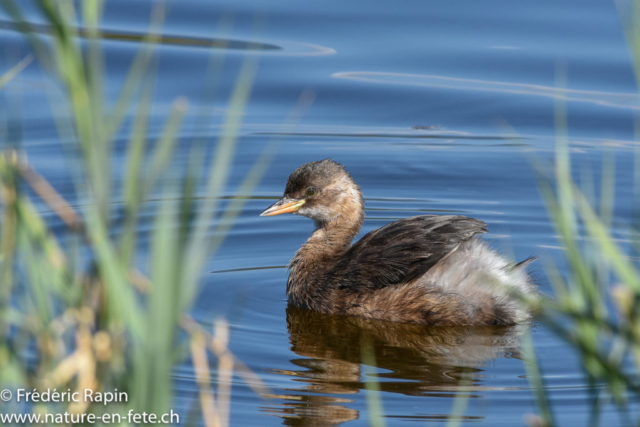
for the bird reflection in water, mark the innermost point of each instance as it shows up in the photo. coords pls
(411, 359)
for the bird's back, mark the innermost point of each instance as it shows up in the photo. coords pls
(401, 251)
(429, 269)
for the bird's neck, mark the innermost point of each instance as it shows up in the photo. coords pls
(307, 286)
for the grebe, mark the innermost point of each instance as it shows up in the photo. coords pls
(426, 269)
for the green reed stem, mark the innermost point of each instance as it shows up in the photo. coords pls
(371, 383)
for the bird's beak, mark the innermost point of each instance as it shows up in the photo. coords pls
(284, 205)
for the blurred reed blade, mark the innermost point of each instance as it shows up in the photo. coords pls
(38, 276)
(137, 71)
(218, 348)
(72, 71)
(91, 14)
(609, 249)
(536, 380)
(132, 184)
(460, 403)
(236, 204)
(165, 145)
(9, 193)
(371, 383)
(208, 404)
(50, 196)
(13, 72)
(163, 314)
(121, 298)
(36, 239)
(206, 105)
(607, 188)
(196, 253)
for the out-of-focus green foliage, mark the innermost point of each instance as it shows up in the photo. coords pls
(76, 313)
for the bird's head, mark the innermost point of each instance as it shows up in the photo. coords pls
(323, 191)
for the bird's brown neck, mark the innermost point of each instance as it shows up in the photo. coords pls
(307, 286)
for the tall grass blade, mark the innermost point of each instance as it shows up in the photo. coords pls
(536, 380)
(371, 384)
(195, 252)
(13, 72)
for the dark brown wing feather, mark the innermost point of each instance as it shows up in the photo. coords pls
(401, 251)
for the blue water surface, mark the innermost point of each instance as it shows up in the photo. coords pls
(438, 107)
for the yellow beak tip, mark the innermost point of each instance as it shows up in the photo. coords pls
(282, 207)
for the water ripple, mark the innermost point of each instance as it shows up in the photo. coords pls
(284, 48)
(608, 99)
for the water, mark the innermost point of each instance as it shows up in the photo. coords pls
(435, 107)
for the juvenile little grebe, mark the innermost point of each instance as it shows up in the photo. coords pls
(424, 269)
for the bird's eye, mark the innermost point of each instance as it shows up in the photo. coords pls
(311, 191)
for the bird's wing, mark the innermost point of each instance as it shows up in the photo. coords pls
(401, 251)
